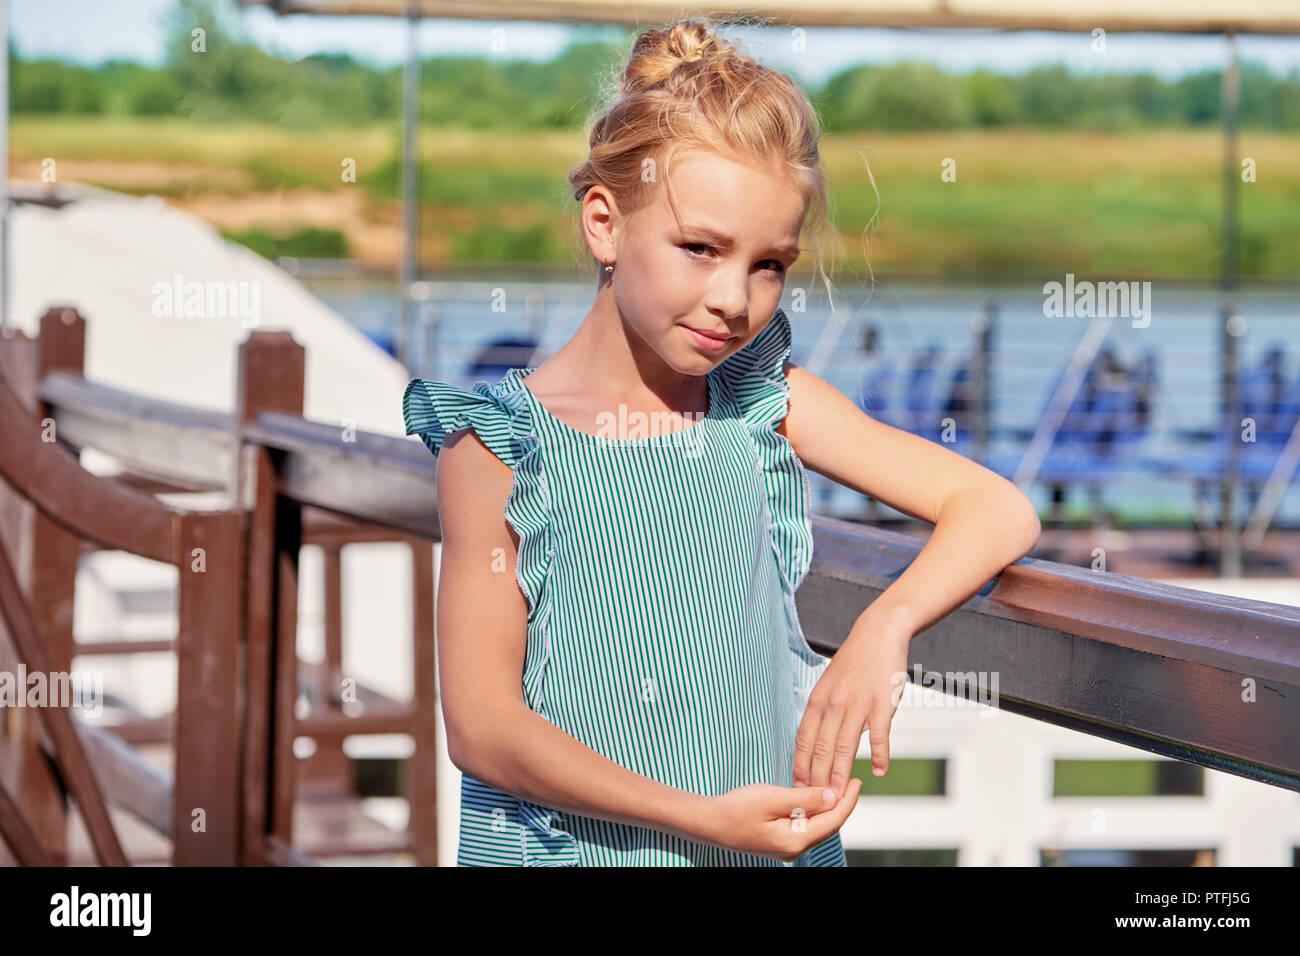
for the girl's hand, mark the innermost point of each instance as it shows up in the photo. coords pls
(778, 822)
(857, 689)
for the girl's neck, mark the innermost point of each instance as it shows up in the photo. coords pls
(606, 363)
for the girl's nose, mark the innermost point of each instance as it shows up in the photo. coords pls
(730, 298)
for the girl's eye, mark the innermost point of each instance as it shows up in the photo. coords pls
(775, 264)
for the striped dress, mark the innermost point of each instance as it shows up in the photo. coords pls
(659, 571)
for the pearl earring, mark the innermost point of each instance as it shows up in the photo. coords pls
(609, 267)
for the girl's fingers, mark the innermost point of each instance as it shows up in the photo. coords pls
(803, 745)
(846, 748)
(805, 801)
(824, 747)
(879, 738)
(823, 825)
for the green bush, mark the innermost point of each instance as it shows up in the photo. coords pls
(989, 98)
(311, 242)
(905, 95)
(48, 86)
(157, 94)
(495, 243)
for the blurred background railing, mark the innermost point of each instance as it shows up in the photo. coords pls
(1107, 422)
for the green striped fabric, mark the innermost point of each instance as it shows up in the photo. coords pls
(660, 575)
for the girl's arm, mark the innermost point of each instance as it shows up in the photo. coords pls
(492, 734)
(982, 523)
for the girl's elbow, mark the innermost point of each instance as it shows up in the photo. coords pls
(1017, 517)
(1033, 528)
(475, 738)
(460, 752)
(465, 738)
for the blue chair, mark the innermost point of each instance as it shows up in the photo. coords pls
(920, 406)
(1273, 406)
(500, 356)
(1262, 390)
(960, 405)
(1109, 415)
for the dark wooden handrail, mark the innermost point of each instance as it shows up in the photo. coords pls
(379, 478)
(1162, 668)
(47, 474)
(191, 448)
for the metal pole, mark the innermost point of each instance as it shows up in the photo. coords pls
(982, 391)
(4, 163)
(410, 200)
(1231, 97)
(1230, 547)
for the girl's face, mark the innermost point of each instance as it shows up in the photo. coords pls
(697, 286)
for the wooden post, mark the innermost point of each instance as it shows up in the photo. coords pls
(209, 552)
(422, 787)
(18, 836)
(47, 570)
(17, 366)
(66, 488)
(272, 374)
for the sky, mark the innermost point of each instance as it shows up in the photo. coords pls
(91, 31)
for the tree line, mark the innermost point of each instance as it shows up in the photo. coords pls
(231, 78)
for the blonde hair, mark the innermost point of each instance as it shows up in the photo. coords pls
(685, 88)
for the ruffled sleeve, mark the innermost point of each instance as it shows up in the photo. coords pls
(500, 416)
(754, 377)
(434, 410)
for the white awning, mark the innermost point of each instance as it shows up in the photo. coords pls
(1171, 16)
(117, 259)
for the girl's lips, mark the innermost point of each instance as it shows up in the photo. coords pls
(706, 341)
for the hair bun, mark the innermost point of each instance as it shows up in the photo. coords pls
(657, 53)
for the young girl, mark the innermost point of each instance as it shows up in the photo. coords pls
(624, 679)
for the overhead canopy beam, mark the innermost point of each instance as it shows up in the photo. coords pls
(1161, 16)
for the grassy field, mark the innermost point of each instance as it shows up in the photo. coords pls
(1024, 202)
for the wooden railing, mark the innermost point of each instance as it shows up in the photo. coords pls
(1202, 678)
(238, 673)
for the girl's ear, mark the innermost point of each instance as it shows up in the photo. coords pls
(599, 222)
